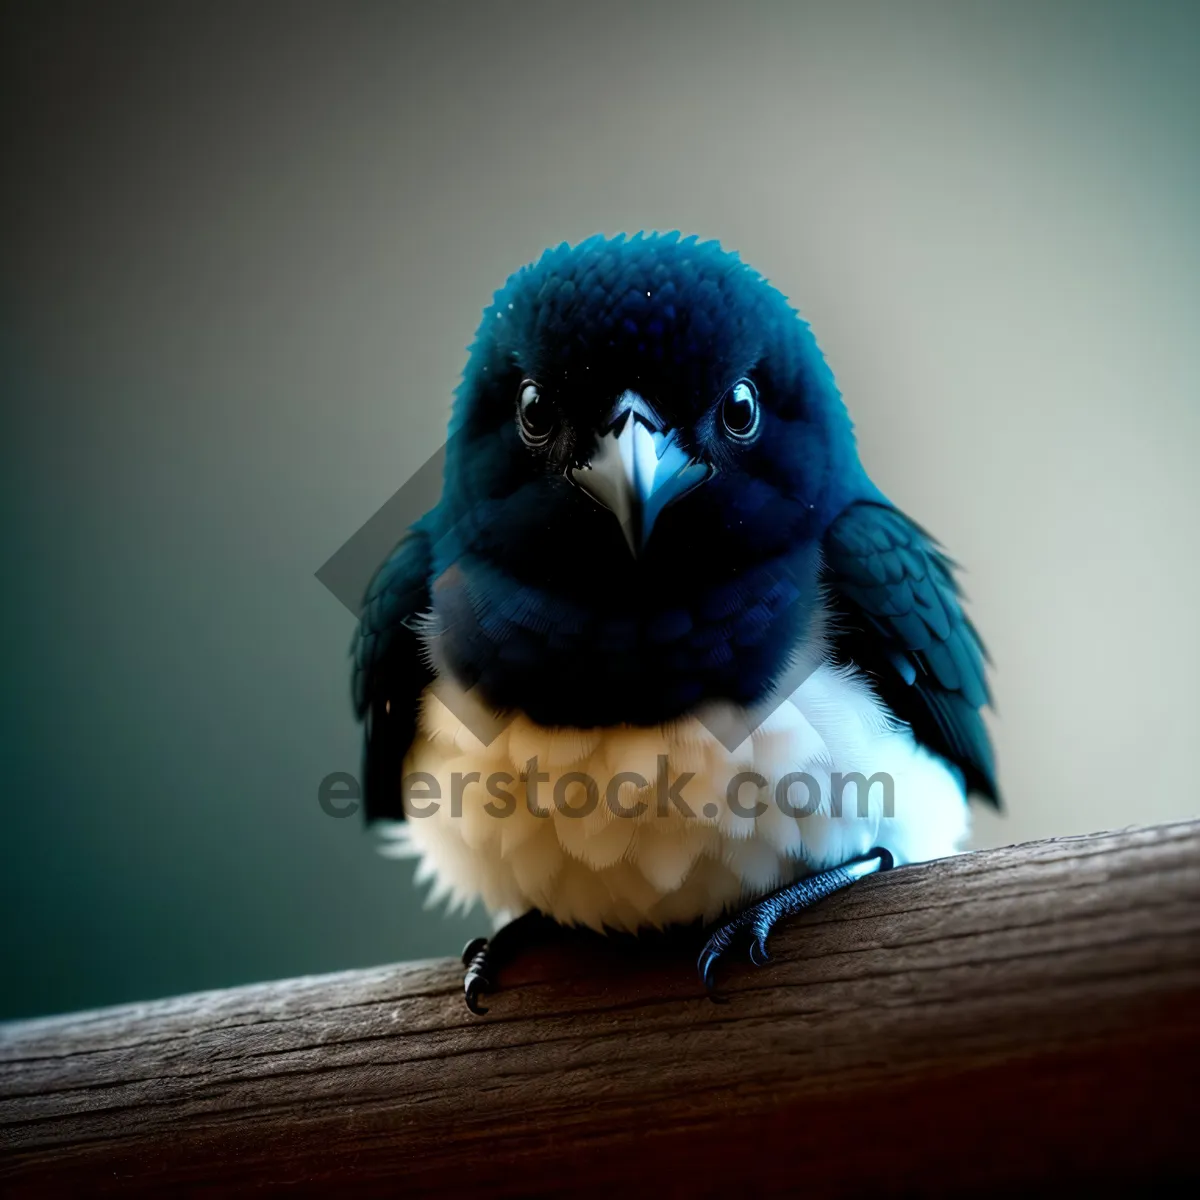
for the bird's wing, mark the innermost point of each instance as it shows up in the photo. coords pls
(897, 614)
(390, 671)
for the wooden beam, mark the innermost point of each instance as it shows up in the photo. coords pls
(1018, 1018)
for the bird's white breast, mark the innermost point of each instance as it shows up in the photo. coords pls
(665, 865)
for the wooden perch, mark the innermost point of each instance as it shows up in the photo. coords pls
(1020, 1018)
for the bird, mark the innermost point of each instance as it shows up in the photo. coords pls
(662, 654)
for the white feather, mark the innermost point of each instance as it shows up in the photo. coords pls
(663, 866)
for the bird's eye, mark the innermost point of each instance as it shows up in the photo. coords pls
(535, 414)
(739, 411)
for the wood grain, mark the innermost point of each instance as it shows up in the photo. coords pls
(1018, 1018)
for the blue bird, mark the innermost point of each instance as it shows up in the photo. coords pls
(662, 653)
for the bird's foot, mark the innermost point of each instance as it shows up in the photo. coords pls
(754, 924)
(484, 957)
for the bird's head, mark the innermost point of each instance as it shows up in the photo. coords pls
(645, 451)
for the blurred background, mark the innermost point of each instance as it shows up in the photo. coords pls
(244, 247)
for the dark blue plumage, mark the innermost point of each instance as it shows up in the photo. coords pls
(530, 584)
(390, 671)
(898, 617)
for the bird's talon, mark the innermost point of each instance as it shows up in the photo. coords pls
(485, 957)
(714, 950)
(472, 989)
(476, 982)
(755, 923)
(472, 948)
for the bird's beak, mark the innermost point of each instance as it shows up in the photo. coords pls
(637, 469)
